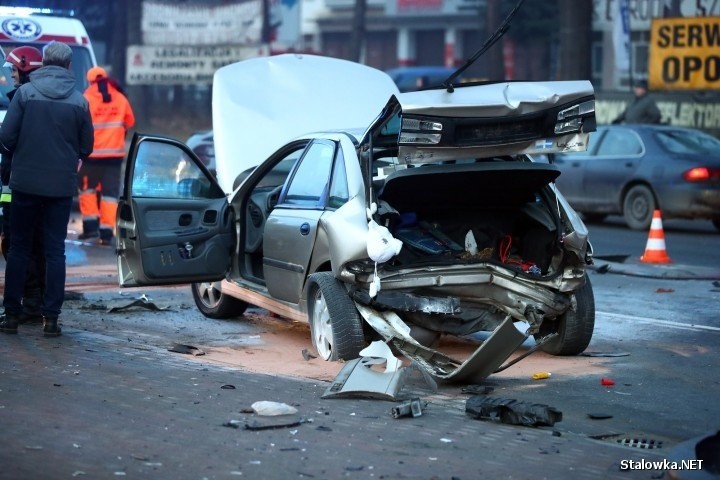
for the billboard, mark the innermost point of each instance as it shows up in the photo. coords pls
(684, 54)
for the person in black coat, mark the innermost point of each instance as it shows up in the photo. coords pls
(49, 130)
(642, 109)
(22, 61)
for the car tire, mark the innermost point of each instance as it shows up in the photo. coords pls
(575, 327)
(638, 207)
(594, 217)
(213, 303)
(335, 324)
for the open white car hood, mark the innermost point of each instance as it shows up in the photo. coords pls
(262, 103)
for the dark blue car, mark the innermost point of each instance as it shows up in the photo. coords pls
(634, 169)
(409, 79)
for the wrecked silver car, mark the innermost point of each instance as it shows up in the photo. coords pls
(426, 218)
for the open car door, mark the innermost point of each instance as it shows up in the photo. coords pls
(174, 222)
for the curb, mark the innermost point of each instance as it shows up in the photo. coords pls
(665, 271)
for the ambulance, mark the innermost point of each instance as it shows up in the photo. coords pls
(36, 27)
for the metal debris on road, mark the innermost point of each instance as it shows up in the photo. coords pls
(513, 412)
(186, 349)
(604, 354)
(143, 302)
(411, 408)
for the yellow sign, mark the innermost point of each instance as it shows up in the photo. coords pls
(685, 53)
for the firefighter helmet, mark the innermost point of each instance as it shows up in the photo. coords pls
(25, 59)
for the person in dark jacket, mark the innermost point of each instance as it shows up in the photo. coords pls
(22, 61)
(48, 129)
(642, 109)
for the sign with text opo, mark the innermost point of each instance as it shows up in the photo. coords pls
(685, 54)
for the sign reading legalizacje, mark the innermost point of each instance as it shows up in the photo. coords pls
(179, 65)
(685, 53)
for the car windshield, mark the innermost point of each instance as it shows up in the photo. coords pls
(687, 141)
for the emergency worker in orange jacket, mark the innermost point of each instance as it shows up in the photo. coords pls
(99, 176)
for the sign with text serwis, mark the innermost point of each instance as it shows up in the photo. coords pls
(685, 53)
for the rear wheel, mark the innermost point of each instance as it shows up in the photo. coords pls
(575, 327)
(213, 303)
(638, 207)
(335, 324)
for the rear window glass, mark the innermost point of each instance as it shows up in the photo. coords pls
(687, 141)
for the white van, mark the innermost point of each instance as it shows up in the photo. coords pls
(37, 27)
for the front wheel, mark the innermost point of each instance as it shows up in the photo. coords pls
(213, 303)
(335, 324)
(638, 207)
(575, 327)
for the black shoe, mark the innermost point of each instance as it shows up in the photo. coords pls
(9, 324)
(51, 327)
(106, 236)
(88, 235)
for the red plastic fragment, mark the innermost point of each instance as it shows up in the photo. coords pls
(608, 382)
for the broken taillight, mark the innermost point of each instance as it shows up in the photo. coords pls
(701, 174)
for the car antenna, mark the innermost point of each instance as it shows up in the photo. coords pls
(497, 35)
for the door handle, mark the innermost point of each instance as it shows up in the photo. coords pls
(305, 228)
(185, 220)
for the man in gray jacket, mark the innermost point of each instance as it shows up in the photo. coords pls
(642, 109)
(48, 129)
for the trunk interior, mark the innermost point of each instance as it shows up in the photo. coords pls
(501, 204)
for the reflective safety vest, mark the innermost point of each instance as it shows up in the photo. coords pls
(110, 120)
(6, 195)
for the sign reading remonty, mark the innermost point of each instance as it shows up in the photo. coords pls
(178, 65)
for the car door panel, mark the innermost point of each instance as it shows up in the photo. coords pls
(291, 228)
(289, 240)
(174, 223)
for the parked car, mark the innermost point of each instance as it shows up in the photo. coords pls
(413, 78)
(632, 170)
(202, 144)
(304, 230)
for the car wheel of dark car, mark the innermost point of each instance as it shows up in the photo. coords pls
(638, 207)
(214, 304)
(335, 324)
(575, 327)
(594, 217)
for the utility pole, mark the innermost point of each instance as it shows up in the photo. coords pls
(137, 94)
(495, 66)
(575, 39)
(357, 36)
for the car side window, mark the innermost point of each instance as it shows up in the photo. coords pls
(339, 193)
(163, 170)
(309, 184)
(620, 142)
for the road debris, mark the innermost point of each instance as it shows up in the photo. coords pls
(377, 374)
(271, 409)
(142, 302)
(307, 355)
(541, 375)
(186, 349)
(604, 354)
(599, 416)
(607, 382)
(513, 412)
(411, 408)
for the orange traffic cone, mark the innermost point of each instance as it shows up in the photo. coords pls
(655, 249)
